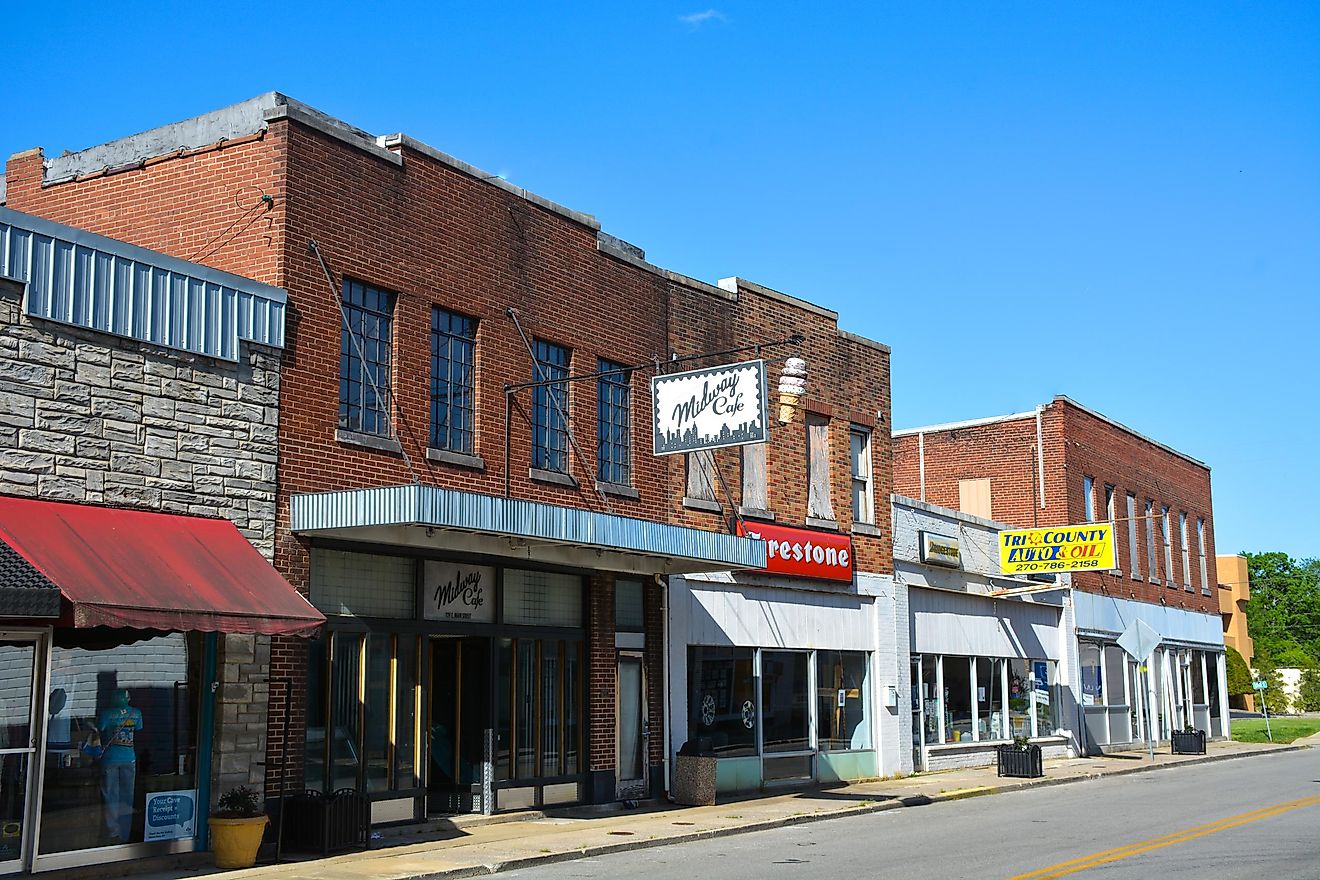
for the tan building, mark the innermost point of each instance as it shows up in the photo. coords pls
(1234, 591)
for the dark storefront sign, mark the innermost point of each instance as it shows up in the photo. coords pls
(802, 552)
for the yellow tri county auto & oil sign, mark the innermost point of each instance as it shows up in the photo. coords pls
(1087, 547)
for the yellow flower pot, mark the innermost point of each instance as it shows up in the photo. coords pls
(234, 842)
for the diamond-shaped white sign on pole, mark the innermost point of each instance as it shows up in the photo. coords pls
(1139, 639)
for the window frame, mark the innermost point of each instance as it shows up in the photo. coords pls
(1186, 551)
(1200, 541)
(1134, 545)
(549, 427)
(867, 515)
(1166, 527)
(613, 423)
(465, 341)
(374, 395)
(1151, 559)
(1088, 498)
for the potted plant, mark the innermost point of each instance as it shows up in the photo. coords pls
(1188, 741)
(1021, 759)
(237, 828)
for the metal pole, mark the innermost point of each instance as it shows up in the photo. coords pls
(1150, 720)
(1266, 707)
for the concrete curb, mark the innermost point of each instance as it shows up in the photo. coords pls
(787, 821)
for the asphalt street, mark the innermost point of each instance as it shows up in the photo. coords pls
(1254, 818)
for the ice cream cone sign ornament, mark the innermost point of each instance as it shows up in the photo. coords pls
(792, 388)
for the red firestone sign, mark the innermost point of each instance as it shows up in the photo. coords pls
(803, 553)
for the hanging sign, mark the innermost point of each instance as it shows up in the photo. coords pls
(1087, 547)
(803, 553)
(940, 550)
(457, 591)
(170, 815)
(710, 408)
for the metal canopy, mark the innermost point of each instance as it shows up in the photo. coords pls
(431, 517)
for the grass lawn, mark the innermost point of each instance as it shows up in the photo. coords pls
(1285, 729)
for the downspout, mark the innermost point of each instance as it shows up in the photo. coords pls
(667, 736)
(921, 461)
(1040, 456)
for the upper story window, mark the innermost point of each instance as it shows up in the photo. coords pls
(1168, 545)
(859, 439)
(755, 497)
(1186, 554)
(1200, 549)
(550, 408)
(613, 424)
(1111, 512)
(700, 476)
(364, 359)
(818, 469)
(1151, 559)
(1134, 558)
(453, 343)
(1088, 500)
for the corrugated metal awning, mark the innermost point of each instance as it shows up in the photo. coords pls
(364, 514)
(146, 570)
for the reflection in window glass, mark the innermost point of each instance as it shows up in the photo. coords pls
(989, 698)
(314, 751)
(346, 707)
(1019, 698)
(784, 709)
(1115, 665)
(957, 699)
(406, 712)
(525, 687)
(572, 706)
(1090, 661)
(930, 697)
(1046, 693)
(842, 710)
(551, 694)
(376, 712)
(629, 613)
(126, 728)
(503, 710)
(722, 699)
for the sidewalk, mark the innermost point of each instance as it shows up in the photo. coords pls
(479, 846)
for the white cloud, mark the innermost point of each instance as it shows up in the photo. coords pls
(697, 19)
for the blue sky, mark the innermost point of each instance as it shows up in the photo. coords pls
(1117, 202)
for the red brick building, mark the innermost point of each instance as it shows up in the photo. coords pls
(489, 554)
(1065, 464)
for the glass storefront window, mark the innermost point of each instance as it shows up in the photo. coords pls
(376, 712)
(843, 716)
(1115, 661)
(125, 731)
(784, 710)
(542, 598)
(722, 699)
(346, 706)
(1090, 662)
(989, 698)
(1019, 698)
(629, 606)
(930, 698)
(406, 712)
(1045, 693)
(957, 699)
(1198, 683)
(314, 748)
(539, 708)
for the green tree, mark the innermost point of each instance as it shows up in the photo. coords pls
(1276, 698)
(1309, 691)
(1239, 676)
(1283, 613)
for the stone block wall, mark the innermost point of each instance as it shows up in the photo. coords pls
(91, 418)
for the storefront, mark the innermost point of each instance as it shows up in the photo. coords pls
(108, 675)
(789, 679)
(1184, 684)
(463, 632)
(989, 652)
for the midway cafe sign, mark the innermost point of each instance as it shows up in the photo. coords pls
(1086, 547)
(455, 591)
(710, 408)
(802, 553)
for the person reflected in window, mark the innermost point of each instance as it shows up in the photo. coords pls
(119, 725)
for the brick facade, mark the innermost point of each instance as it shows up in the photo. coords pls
(437, 233)
(1077, 444)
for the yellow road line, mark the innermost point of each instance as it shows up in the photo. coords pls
(1112, 855)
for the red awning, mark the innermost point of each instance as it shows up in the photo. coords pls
(133, 568)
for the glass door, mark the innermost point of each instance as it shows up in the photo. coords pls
(787, 751)
(633, 729)
(19, 736)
